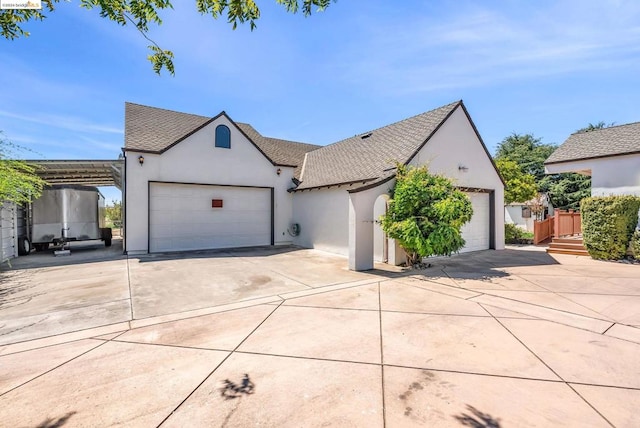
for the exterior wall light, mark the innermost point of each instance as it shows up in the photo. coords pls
(140, 160)
(463, 168)
(278, 171)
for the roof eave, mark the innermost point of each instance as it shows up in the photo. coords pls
(591, 158)
(373, 185)
(329, 185)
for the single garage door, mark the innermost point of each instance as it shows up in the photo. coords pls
(476, 232)
(186, 217)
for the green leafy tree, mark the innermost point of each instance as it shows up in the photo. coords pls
(565, 191)
(426, 214)
(527, 151)
(140, 13)
(18, 180)
(595, 126)
(113, 214)
(520, 186)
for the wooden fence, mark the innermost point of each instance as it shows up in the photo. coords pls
(567, 223)
(562, 223)
(542, 230)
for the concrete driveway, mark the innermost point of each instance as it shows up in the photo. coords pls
(42, 295)
(490, 339)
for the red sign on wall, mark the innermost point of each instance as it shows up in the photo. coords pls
(216, 203)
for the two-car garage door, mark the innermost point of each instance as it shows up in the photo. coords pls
(476, 233)
(183, 217)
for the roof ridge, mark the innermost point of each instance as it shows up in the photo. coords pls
(607, 127)
(173, 111)
(275, 139)
(456, 103)
(292, 141)
(400, 140)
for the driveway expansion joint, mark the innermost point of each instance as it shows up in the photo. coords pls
(99, 344)
(221, 347)
(218, 365)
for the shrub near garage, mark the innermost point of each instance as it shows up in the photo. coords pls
(515, 235)
(608, 224)
(426, 214)
(635, 244)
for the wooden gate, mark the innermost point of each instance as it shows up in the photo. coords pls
(562, 223)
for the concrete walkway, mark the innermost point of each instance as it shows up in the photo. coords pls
(491, 339)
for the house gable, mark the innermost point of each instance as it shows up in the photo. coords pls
(371, 156)
(368, 160)
(457, 151)
(195, 161)
(155, 130)
(196, 158)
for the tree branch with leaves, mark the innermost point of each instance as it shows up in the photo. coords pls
(140, 13)
(519, 185)
(19, 182)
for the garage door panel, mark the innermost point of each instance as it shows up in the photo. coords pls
(162, 203)
(476, 232)
(181, 217)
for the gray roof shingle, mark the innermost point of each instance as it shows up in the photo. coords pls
(154, 130)
(612, 141)
(281, 152)
(372, 156)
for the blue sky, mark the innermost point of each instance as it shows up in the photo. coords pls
(546, 67)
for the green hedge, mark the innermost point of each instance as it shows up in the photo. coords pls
(607, 225)
(635, 244)
(515, 235)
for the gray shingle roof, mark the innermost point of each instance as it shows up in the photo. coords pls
(613, 141)
(151, 129)
(281, 152)
(371, 156)
(154, 130)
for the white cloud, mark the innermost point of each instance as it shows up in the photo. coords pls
(468, 46)
(63, 122)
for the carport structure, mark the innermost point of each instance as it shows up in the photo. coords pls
(15, 233)
(81, 172)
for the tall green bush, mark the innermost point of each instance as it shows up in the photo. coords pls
(608, 224)
(426, 214)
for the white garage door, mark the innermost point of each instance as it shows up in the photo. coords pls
(181, 217)
(476, 232)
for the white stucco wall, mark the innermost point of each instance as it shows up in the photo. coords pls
(513, 215)
(616, 175)
(456, 144)
(323, 216)
(197, 160)
(361, 218)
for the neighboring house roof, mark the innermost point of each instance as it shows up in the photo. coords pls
(532, 201)
(369, 159)
(155, 130)
(600, 143)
